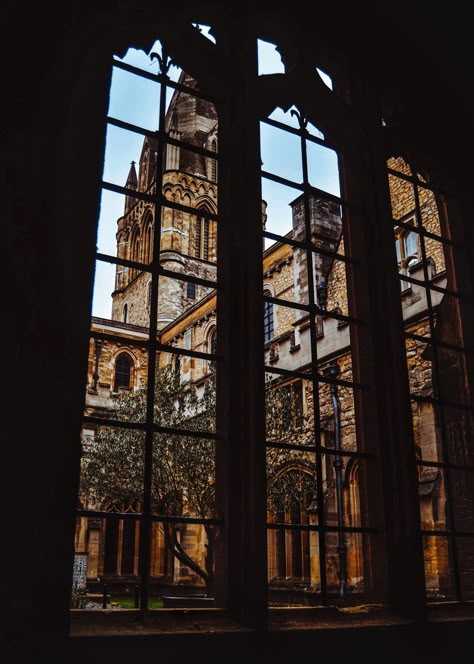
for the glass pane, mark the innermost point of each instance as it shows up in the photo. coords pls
(200, 336)
(280, 211)
(188, 242)
(183, 565)
(437, 553)
(185, 553)
(334, 335)
(293, 567)
(442, 433)
(451, 368)
(113, 220)
(433, 500)
(400, 165)
(331, 284)
(326, 79)
(430, 218)
(205, 30)
(337, 413)
(105, 572)
(111, 476)
(191, 165)
(290, 118)
(419, 362)
(461, 486)
(341, 486)
(117, 372)
(285, 274)
(289, 415)
(286, 335)
(105, 276)
(323, 168)
(269, 60)
(459, 433)
(280, 153)
(185, 391)
(465, 553)
(123, 147)
(436, 253)
(345, 578)
(426, 431)
(142, 60)
(184, 476)
(402, 197)
(125, 89)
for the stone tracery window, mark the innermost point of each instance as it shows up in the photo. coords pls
(313, 234)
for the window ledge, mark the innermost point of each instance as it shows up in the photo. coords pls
(111, 622)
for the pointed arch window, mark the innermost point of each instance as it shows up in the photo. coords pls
(148, 241)
(201, 247)
(213, 341)
(290, 547)
(268, 323)
(135, 251)
(408, 251)
(123, 372)
(312, 244)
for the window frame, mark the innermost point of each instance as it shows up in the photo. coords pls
(252, 363)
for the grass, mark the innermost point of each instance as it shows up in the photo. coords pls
(129, 602)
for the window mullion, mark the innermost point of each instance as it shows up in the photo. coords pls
(241, 315)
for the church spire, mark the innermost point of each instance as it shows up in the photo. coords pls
(132, 183)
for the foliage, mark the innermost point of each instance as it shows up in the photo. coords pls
(183, 466)
(112, 475)
(290, 472)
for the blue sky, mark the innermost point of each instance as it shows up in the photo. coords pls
(136, 100)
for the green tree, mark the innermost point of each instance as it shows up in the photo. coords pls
(183, 473)
(290, 472)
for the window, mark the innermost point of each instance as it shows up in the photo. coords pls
(119, 540)
(408, 253)
(148, 245)
(435, 356)
(213, 341)
(123, 367)
(267, 318)
(201, 248)
(289, 548)
(186, 446)
(191, 291)
(125, 313)
(212, 347)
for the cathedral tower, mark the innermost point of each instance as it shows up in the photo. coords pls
(188, 236)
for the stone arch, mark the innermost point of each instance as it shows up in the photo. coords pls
(123, 371)
(134, 365)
